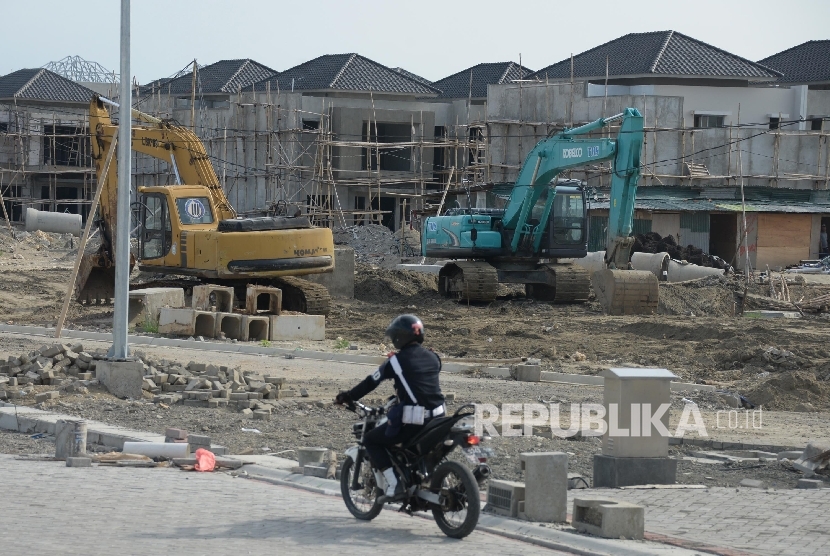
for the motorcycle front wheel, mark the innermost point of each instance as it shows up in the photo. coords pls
(458, 515)
(361, 503)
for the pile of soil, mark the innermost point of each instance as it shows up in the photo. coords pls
(378, 285)
(793, 390)
(713, 295)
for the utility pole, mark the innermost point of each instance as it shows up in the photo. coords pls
(119, 350)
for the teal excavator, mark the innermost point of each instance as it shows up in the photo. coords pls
(546, 220)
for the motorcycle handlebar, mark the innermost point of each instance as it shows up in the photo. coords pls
(355, 405)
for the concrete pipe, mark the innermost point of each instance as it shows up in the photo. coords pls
(656, 263)
(680, 272)
(594, 261)
(56, 222)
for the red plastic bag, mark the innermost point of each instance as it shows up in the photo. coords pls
(205, 460)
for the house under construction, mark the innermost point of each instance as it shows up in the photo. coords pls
(352, 141)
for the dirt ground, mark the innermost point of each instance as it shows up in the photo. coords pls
(782, 365)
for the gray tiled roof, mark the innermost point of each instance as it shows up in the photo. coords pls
(414, 76)
(224, 76)
(457, 85)
(657, 53)
(806, 63)
(42, 84)
(347, 72)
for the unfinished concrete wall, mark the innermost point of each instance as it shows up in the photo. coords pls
(44, 158)
(518, 117)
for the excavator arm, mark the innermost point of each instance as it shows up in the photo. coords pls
(174, 144)
(562, 152)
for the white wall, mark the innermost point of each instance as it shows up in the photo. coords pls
(756, 103)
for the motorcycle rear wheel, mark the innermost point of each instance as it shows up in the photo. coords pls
(363, 503)
(458, 516)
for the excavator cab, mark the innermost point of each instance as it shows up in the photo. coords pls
(567, 235)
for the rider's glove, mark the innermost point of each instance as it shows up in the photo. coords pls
(343, 398)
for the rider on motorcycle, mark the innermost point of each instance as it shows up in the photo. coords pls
(415, 372)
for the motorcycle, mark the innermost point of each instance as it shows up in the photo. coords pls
(432, 482)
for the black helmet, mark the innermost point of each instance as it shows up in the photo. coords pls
(404, 330)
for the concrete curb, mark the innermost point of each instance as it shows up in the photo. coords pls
(138, 340)
(593, 380)
(29, 420)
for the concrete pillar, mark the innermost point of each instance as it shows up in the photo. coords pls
(546, 486)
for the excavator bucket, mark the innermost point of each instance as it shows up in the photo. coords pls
(96, 279)
(626, 292)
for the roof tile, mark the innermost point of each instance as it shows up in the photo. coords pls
(42, 84)
(224, 76)
(457, 85)
(664, 53)
(348, 72)
(808, 62)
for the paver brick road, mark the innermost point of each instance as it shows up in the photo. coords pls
(49, 509)
(758, 521)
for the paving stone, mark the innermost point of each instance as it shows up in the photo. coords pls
(262, 415)
(752, 483)
(810, 483)
(45, 396)
(176, 434)
(78, 462)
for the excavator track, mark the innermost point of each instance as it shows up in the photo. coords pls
(303, 295)
(573, 284)
(469, 281)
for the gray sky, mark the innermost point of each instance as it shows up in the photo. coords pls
(433, 38)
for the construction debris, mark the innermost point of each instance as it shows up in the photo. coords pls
(71, 369)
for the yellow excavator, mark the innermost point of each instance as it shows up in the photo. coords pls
(191, 229)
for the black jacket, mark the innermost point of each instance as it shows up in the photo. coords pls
(420, 368)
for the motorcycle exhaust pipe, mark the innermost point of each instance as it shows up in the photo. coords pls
(481, 472)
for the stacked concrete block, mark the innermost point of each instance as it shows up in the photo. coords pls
(297, 327)
(144, 304)
(179, 322)
(255, 328)
(229, 325)
(209, 297)
(261, 300)
(204, 324)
